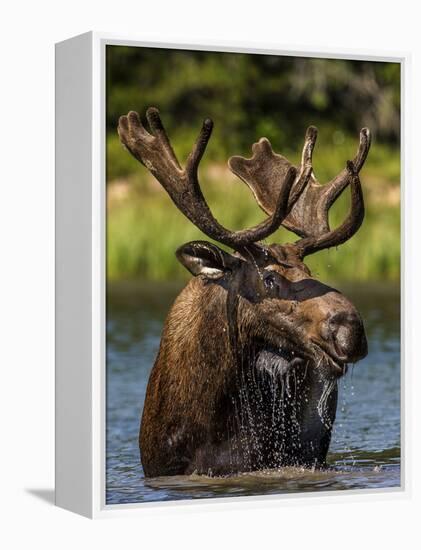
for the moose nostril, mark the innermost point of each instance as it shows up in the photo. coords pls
(347, 331)
(341, 324)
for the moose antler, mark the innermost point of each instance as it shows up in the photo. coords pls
(265, 172)
(309, 200)
(155, 152)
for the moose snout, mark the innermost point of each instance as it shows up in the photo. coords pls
(345, 333)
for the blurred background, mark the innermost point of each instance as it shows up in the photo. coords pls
(250, 96)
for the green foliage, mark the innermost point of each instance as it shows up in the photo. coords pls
(248, 96)
(144, 234)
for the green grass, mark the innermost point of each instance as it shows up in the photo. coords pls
(332, 150)
(145, 228)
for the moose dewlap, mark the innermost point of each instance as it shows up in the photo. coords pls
(246, 374)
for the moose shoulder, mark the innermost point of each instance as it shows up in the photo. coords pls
(246, 374)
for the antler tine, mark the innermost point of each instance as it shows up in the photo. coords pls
(363, 149)
(155, 152)
(348, 228)
(155, 123)
(306, 165)
(308, 147)
(199, 148)
(341, 181)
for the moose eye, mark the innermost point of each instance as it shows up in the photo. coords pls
(269, 281)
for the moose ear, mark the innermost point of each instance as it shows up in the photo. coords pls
(203, 258)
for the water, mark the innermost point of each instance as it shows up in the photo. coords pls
(365, 447)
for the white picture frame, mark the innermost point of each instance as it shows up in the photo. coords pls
(80, 272)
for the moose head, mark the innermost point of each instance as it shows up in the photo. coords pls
(275, 318)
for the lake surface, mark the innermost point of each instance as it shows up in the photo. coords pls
(365, 447)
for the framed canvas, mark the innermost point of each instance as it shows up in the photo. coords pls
(228, 306)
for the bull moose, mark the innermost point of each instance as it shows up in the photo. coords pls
(251, 350)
